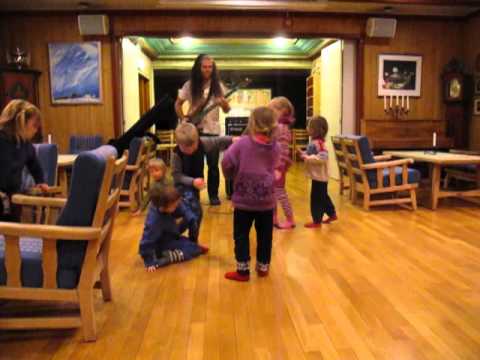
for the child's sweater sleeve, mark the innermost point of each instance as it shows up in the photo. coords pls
(211, 143)
(230, 161)
(283, 140)
(152, 231)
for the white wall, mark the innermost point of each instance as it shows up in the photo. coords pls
(349, 87)
(134, 62)
(331, 96)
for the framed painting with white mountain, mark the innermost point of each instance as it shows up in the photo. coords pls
(399, 75)
(75, 73)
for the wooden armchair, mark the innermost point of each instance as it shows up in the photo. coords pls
(467, 173)
(373, 178)
(63, 262)
(343, 173)
(167, 144)
(300, 141)
(132, 190)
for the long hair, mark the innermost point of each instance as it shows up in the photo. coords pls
(196, 79)
(14, 117)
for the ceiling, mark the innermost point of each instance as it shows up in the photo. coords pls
(450, 8)
(226, 48)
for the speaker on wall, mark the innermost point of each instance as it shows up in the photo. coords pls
(381, 27)
(93, 24)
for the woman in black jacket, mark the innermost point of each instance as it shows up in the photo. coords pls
(19, 122)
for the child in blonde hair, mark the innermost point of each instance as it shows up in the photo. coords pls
(316, 161)
(157, 171)
(251, 162)
(283, 108)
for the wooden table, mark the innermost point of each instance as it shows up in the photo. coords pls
(437, 161)
(64, 162)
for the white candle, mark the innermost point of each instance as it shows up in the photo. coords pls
(49, 138)
(403, 99)
(384, 102)
(434, 139)
(391, 97)
(396, 102)
(408, 102)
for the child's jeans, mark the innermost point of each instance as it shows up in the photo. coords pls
(320, 202)
(242, 222)
(191, 210)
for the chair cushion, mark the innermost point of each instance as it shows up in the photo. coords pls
(79, 143)
(133, 150)
(48, 157)
(413, 177)
(31, 268)
(87, 176)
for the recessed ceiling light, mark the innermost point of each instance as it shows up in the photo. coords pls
(186, 41)
(280, 41)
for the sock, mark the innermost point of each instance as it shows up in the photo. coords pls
(262, 269)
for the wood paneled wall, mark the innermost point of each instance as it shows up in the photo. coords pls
(472, 50)
(437, 40)
(33, 33)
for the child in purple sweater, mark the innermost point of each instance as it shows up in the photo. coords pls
(251, 162)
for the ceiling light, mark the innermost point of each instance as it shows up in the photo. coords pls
(280, 41)
(186, 41)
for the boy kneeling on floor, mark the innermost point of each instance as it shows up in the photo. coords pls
(161, 242)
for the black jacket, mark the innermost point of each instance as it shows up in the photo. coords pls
(14, 156)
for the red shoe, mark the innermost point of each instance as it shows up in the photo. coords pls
(330, 219)
(313, 225)
(234, 275)
(203, 248)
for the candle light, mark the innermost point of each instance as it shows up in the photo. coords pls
(391, 97)
(396, 101)
(49, 138)
(384, 102)
(408, 102)
(403, 99)
(434, 139)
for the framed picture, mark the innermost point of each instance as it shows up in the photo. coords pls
(75, 72)
(477, 85)
(399, 75)
(476, 106)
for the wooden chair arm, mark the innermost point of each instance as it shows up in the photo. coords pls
(49, 231)
(132, 168)
(382, 157)
(38, 201)
(386, 164)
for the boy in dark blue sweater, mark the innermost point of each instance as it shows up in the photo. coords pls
(161, 242)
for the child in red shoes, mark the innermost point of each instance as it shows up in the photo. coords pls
(316, 162)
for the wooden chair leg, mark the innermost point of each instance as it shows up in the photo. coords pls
(413, 197)
(105, 283)
(366, 201)
(341, 185)
(87, 314)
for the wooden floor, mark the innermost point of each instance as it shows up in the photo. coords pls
(385, 284)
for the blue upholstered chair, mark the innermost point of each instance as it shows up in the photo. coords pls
(63, 262)
(132, 190)
(378, 176)
(79, 143)
(47, 155)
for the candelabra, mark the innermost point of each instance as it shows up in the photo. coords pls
(398, 110)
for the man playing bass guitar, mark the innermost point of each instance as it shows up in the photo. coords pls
(203, 90)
